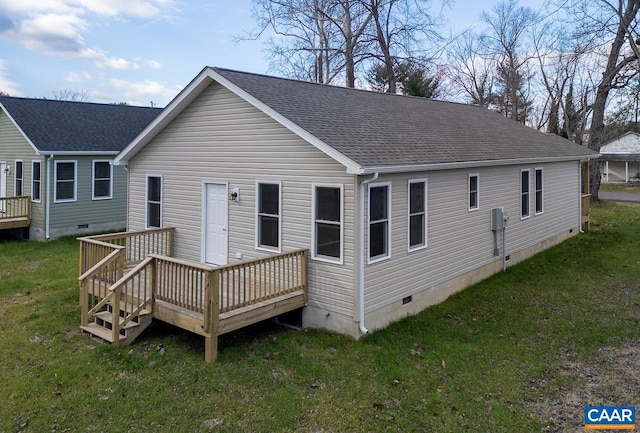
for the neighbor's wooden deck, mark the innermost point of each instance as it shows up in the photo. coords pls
(15, 212)
(209, 301)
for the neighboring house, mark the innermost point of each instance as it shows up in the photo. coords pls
(59, 154)
(392, 195)
(620, 160)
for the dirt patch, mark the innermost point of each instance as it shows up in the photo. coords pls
(613, 380)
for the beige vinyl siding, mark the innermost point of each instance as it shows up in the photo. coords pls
(220, 137)
(13, 146)
(85, 210)
(459, 240)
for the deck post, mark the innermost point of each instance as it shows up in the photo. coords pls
(115, 323)
(212, 315)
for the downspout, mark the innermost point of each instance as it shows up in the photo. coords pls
(580, 196)
(362, 254)
(46, 202)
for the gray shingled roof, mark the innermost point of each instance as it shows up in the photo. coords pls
(64, 126)
(378, 129)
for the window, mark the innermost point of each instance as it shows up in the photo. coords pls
(102, 175)
(524, 194)
(539, 207)
(19, 176)
(35, 181)
(379, 205)
(268, 216)
(417, 214)
(327, 223)
(474, 184)
(154, 201)
(65, 175)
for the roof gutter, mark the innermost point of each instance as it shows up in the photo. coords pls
(76, 153)
(470, 164)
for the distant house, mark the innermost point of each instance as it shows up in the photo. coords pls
(55, 158)
(620, 160)
(398, 199)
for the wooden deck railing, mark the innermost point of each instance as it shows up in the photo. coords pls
(182, 283)
(255, 281)
(137, 246)
(15, 212)
(586, 210)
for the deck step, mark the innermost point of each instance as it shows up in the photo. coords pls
(100, 333)
(101, 328)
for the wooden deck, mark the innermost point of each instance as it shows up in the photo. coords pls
(15, 212)
(135, 270)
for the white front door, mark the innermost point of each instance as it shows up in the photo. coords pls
(3, 184)
(215, 223)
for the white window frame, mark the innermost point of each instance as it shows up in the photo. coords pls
(146, 199)
(93, 179)
(524, 216)
(18, 179)
(257, 218)
(371, 260)
(33, 181)
(314, 221)
(535, 188)
(477, 191)
(423, 245)
(55, 181)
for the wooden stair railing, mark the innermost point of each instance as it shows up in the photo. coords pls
(126, 308)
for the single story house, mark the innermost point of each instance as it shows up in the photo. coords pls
(401, 201)
(56, 156)
(620, 160)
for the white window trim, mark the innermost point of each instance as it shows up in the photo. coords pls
(16, 178)
(93, 179)
(146, 199)
(55, 181)
(535, 191)
(314, 256)
(257, 215)
(477, 176)
(33, 171)
(528, 215)
(371, 260)
(425, 242)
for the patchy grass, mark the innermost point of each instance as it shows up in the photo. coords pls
(621, 187)
(524, 350)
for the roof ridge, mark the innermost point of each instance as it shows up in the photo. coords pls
(107, 104)
(337, 87)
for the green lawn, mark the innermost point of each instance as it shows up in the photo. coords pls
(483, 361)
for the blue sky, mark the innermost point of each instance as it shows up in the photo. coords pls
(136, 51)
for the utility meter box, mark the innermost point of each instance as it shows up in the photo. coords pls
(498, 219)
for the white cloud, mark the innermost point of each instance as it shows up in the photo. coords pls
(136, 8)
(153, 64)
(55, 28)
(75, 77)
(6, 85)
(141, 92)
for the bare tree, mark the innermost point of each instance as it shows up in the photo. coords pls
(71, 95)
(610, 30)
(507, 42)
(470, 70)
(337, 40)
(402, 32)
(318, 40)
